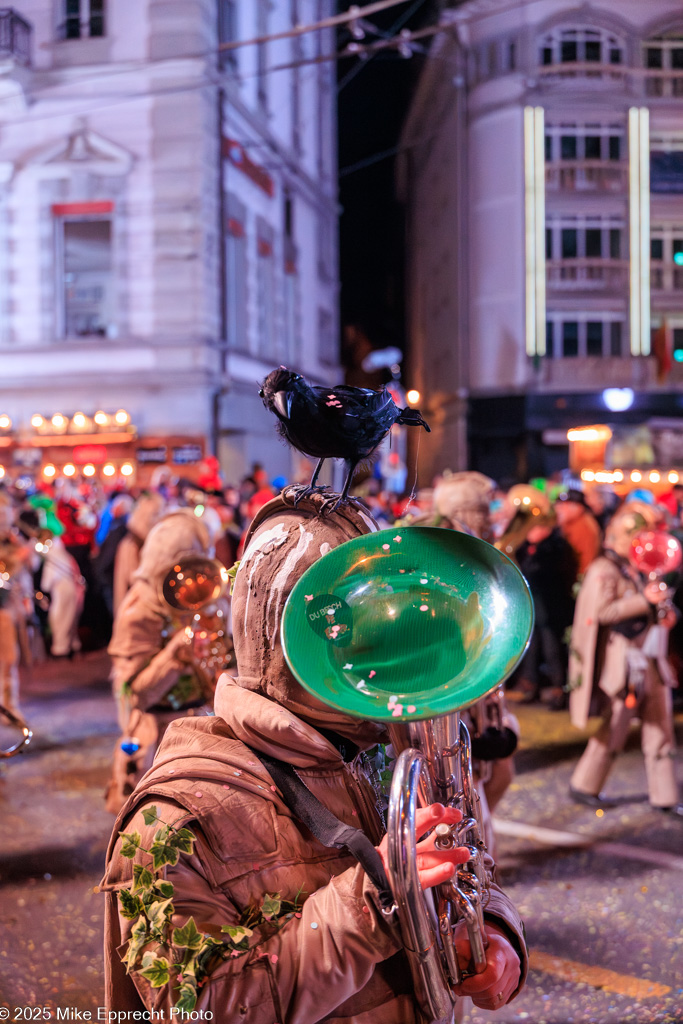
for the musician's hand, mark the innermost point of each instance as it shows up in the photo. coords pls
(433, 866)
(493, 987)
(655, 594)
(182, 647)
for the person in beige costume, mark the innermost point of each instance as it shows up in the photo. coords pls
(461, 501)
(155, 678)
(615, 671)
(147, 510)
(340, 959)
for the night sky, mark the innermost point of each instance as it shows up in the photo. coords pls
(372, 107)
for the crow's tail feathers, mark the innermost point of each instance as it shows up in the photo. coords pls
(413, 418)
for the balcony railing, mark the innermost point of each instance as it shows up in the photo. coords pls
(666, 279)
(653, 83)
(15, 36)
(663, 83)
(593, 275)
(586, 176)
(583, 69)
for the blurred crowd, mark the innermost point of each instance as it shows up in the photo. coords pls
(69, 552)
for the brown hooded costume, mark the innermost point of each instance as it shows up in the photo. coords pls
(341, 959)
(153, 679)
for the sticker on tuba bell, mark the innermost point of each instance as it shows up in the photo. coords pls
(330, 617)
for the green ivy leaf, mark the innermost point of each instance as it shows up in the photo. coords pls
(131, 906)
(142, 878)
(270, 907)
(150, 815)
(131, 843)
(138, 937)
(158, 972)
(237, 932)
(187, 936)
(163, 853)
(158, 910)
(165, 888)
(187, 999)
(161, 834)
(183, 840)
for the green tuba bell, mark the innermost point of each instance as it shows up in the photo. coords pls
(410, 626)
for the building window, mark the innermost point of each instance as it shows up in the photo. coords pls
(80, 19)
(666, 253)
(86, 282)
(584, 338)
(594, 338)
(265, 290)
(592, 238)
(580, 46)
(570, 247)
(570, 339)
(583, 142)
(227, 33)
(236, 293)
(664, 54)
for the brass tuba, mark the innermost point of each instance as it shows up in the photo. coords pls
(409, 627)
(195, 586)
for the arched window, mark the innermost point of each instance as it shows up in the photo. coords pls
(585, 46)
(663, 63)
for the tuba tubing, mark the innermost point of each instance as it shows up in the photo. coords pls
(437, 768)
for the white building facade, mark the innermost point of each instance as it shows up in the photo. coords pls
(167, 225)
(543, 177)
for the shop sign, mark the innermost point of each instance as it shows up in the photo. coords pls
(30, 458)
(186, 454)
(84, 453)
(152, 455)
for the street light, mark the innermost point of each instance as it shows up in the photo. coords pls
(412, 396)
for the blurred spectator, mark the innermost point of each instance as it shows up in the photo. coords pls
(549, 564)
(103, 563)
(619, 669)
(579, 526)
(62, 580)
(603, 503)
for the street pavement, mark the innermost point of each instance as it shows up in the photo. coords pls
(600, 893)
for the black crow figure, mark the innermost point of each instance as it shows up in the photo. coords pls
(332, 423)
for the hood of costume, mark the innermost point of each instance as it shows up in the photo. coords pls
(281, 544)
(140, 617)
(145, 513)
(629, 520)
(467, 498)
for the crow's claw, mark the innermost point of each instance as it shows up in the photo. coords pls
(332, 503)
(301, 491)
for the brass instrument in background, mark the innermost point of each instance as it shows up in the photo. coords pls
(529, 507)
(16, 724)
(196, 586)
(410, 626)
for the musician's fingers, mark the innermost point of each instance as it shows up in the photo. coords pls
(428, 817)
(493, 987)
(428, 856)
(436, 874)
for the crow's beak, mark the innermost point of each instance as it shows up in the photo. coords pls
(283, 403)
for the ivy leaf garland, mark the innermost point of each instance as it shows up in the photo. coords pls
(191, 954)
